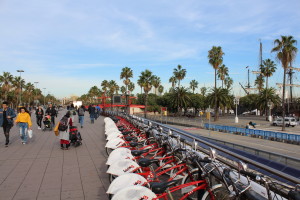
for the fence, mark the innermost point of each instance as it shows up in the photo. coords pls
(269, 135)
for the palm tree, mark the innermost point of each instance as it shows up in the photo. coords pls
(139, 82)
(104, 85)
(203, 91)
(126, 74)
(221, 97)
(113, 88)
(156, 83)
(267, 69)
(146, 78)
(29, 89)
(131, 87)
(286, 53)
(161, 89)
(94, 93)
(215, 56)
(222, 73)
(228, 82)
(18, 84)
(6, 81)
(180, 98)
(266, 96)
(193, 85)
(123, 89)
(179, 73)
(259, 82)
(173, 80)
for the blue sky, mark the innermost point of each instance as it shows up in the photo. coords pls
(69, 46)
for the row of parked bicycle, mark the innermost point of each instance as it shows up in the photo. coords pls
(144, 162)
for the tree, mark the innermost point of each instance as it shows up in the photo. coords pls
(179, 73)
(228, 82)
(285, 53)
(112, 89)
(18, 84)
(104, 85)
(173, 80)
(193, 85)
(203, 91)
(126, 74)
(123, 89)
(156, 82)
(29, 88)
(131, 87)
(6, 83)
(161, 89)
(94, 93)
(221, 98)
(222, 73)
(139, 82)
(180, 98)
(266, 96)
(259, 82)
(215, 56)
(267, 69)
(146, 80)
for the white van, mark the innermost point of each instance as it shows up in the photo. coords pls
(289, 121)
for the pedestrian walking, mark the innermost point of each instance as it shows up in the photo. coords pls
(39, 113)
(6, 120)
(64, 135)
(81, 111)
(52, 112)
(98, 109)
(24, 121)
(92, 112)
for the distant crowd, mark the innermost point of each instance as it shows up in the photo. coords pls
(45, 119)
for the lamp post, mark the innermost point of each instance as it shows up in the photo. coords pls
(35, 92)
(270, 114)
(20, 70)
(236, 103)
(44, 95)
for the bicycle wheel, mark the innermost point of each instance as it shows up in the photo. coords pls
(220, 193)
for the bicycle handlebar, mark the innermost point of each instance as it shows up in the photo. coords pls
(250, 174)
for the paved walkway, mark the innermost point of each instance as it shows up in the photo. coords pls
(41, 170)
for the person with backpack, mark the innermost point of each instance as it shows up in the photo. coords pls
(6, 120)
(39, 116)
(24, 121)
(81, 111)
(64, 129)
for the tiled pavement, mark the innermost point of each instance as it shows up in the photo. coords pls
(41, 170)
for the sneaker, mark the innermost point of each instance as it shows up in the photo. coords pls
(23, 142)
(81, 126)
(6, 144)
(39, 128)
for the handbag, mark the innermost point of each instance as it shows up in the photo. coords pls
(29, 132)
(56, 131)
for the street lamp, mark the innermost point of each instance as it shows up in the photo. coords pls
(270, 114)
(236, 103)
(20, 70)
(35, 92)
(44, 95)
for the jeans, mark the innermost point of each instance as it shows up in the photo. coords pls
(6, 129)
(53, 120)
(81, 119)
(23, 131)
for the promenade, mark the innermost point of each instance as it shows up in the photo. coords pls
(41, 170)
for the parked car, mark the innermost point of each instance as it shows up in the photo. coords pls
(289, 121)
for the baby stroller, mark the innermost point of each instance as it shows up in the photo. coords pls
(47, 123)
(75, 136)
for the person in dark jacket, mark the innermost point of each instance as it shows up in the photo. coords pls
(52, 112)
(92, 111)
(39, 116)
(6, 120)
(81, 111)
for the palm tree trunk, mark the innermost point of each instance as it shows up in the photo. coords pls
(283, 100)
(146, 103)
(216, 107)
(267, 117)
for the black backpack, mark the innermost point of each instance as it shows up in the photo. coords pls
(63, 124)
